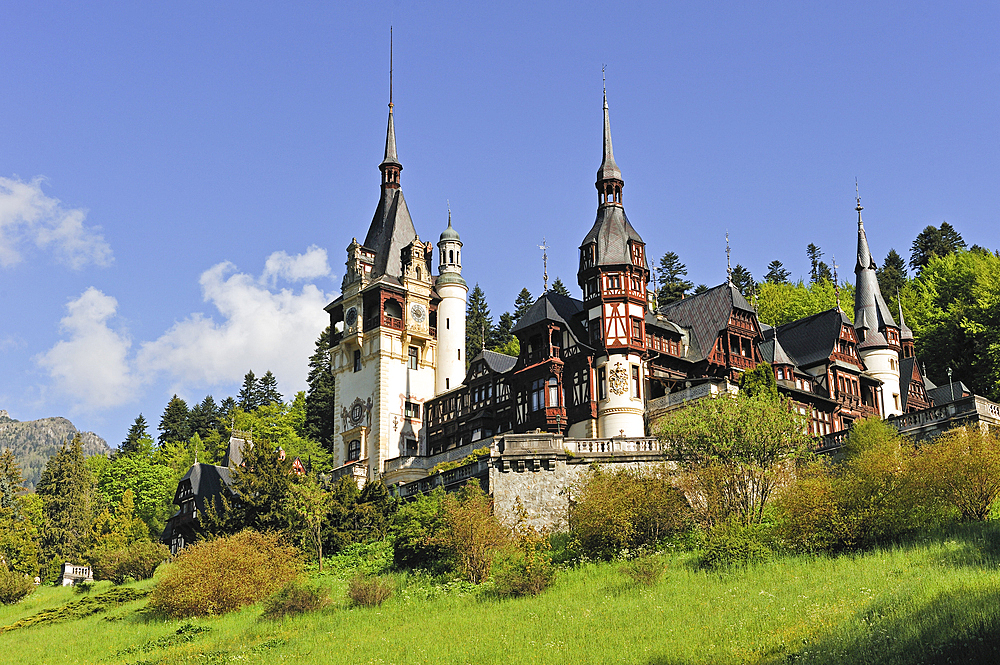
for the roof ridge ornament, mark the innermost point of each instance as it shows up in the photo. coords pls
(729, 269)
(836, 284)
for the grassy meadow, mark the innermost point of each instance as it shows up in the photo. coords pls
(935, 599)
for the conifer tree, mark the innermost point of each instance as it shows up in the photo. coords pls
(560, 288)
(226, 409)
(818, 269)
(205, 417)
(478, 324)
(320, 396)
(522, 304)
(776, 273)
(66, 489)
(672, 285)
(701, 288)
(137, 433)
(743, 281)
(249, 397)
(175, 425)
(892, 275)
(268, 390)
(10, 480)
(933, 242)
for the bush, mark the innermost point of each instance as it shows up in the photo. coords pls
(413, 530)
(645, 570)
(472, 535)
(369, 591)
(218, 576)
(627, 510)
(734, 544)
(962, 470)
(296, 597)
(138, 561)
(524, 572)
(13, 585)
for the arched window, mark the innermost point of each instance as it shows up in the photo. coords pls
(354, 450)
(451, 256)
(393, 309)
(553, 391)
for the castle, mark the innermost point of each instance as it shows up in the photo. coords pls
(592, 374)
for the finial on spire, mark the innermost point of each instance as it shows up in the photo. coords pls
(390, 69)
(449, 212)
(545, 266)
(836, 283)
(729, 269)
(857, 195)
(604, 84)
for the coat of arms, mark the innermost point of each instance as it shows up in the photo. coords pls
(618, 379)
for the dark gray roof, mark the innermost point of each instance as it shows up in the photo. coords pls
(390, 144)
(207, 480)
(552, 306)
(870, 311)
(772, 351)
(907, 368)
(391, 230)
(609, 169)
(812, 339)
(234, 453)
(500, 363)
(904, 330)
(942, 394)
(706, 314)
(611, 232)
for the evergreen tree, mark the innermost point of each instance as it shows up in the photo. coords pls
(776, 273)
(268, 390)
(478, 324)
(175, 425)
(249, 397)
(262, 486)
(226, 410)
(933, 242)
(701, 288)
(892, 275)
(743, 281)
(817, 269)
(320, 396)
(522, 304)
(137, 433)
(67, 489)
(502, 334)
(10, 480)
(205, 417)
(560, 288)
(759, 381)
(672, 286)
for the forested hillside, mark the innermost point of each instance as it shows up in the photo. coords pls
(33, 442)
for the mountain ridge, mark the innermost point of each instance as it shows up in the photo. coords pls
(33, 442)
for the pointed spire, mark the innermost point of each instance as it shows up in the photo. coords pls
(729, 265)
(390, 165)
(865, 260)
(609, 176)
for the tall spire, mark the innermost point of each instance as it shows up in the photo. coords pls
(729, 268)
(870, 311)
(609, 176)
(390, 165)
(836, 283)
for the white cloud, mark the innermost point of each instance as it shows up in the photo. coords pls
(259, 329)
(301, 267)
(28, 216)
(92, 366)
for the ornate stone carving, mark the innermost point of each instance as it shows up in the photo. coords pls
(618, 379)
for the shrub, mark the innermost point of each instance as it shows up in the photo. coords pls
(413, 530)
(368, 591)
(645, 570)
(733, 543)
(626, 510)
(523, 572)
(13, 585)
(137, 561)
(472, 535)
(296, 597)
(218, 576)
(962, 469)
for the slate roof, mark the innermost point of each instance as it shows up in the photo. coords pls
(609, 169)
(870, 311)
(391, 230)
(706, 314)
(207, 480)
(497, 362)
(772, 351)
(234, 453)
(611, 232)
(942, 394)
(907, 367)
(552, 306)
(810, 340)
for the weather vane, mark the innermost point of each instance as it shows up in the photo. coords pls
(545, 266)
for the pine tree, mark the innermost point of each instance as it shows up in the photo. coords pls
(892, 274)
(67, 489)
(818, 270)
(320, 396)
(522, 304)
(701, 288)
(137, 433)
(478, 324)
(262, 487)
(672, 286)
(560, 288)
(226, 414)
(10, 480)
(933, 242)
(268, 390)
(502, 335)
(175, 425)
(743, 280)
(249, 397)
(776, 273)
(205, 417)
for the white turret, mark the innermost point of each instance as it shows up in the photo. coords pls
(451, 313)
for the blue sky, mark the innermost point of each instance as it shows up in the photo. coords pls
(179, 181)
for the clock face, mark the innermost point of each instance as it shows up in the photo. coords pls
(417, 312)
(351, 317)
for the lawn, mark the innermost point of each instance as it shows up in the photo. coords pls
(935, 599)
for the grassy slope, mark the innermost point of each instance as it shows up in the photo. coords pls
(936, 600)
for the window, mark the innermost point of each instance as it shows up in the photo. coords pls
(411, 410)
(602, 385)
(460, 354)
(447, 383)
(637, 329)
(447, 324)
(636, 382)
(595, 330)
(357, 360)
(393, 309)
(354, 450)
(537, 394)
(414, 358)
(553, 391)
(411, 447)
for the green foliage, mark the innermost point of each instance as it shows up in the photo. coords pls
(818, 270)
(137, 561)
(13, 585)
(67, 491)
(759, 381)
(671, 273)
(778, 304)
(152, 486)
(186, 634)
(523, 303)
(560, 288)
(953, 307)
(117, 531)
(743, 281)
(249, 395)
(296, 597)
(623, 511)
(309, 506)
(284, 426)
(475, 455)
(733, 453)
(319, 411)
(219, 576)
(734, 543)
(776, 273)
(503, 340)
(472, 535)
(644, 570)
(523, 571)
(962, 469)
(268, 388)
(478, 324)
(262, 485)
(934, 242)
(205, 419)
(137, 438)
(79, 609)
(175, 424)
(19, 534)
(412, 531)
(891, 275)
(369, 591)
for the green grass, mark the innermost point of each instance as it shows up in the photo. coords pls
(936, 599)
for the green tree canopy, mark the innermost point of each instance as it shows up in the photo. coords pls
(759, 381)
(138, 433)
(523, 303)
(818, 270)
(478, 323)
(560, 288)
(249, 396)
(67, 491)
(934, 242)
(175, 425)
(321, 393)
(743, 281)
(778, 304)
(671, 273)
(776, 273)
(152, 486)
(268, 389)
(205, 417)
(892, 275)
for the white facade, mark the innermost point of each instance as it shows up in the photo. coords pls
(883, 364)
(451, 313)
(620, 405)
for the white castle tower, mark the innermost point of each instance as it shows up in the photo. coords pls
(878, 334)
(452, 289)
